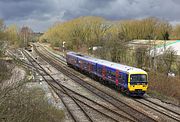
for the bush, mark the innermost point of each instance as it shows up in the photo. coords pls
(5, 72)
(17, 104)
(163, 85)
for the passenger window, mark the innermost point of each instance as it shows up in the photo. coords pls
(99, 70)
(94, 67)
(120, 78)
(113, 74)
(107, 73)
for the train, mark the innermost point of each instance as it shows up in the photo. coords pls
(130, 80)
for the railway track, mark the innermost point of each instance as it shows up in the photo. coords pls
(150, 104)
(159, 108)
(135, 114)
(104, 110)
(64, 96)
(79, 99)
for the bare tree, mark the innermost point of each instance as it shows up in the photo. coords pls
(176, 32)
(178, 67)
(169, 57)
(141, 56)
(2, 28)
(26, 35)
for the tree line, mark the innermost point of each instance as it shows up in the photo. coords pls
(13, 37)
(112, 38)
(18, 37)
(90, 31)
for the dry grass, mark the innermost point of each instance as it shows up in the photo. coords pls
(164, 86)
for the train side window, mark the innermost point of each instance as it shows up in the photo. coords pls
(113, 74)
(94, 68)
(120, 78)
(99, 70)
(86, 65)
(108, 73)
(125, 78)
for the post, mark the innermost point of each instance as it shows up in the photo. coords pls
(64, 47)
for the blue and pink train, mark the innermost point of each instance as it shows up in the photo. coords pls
(130, 80)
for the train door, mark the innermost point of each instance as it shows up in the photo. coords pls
(103, 72)
(117, 77)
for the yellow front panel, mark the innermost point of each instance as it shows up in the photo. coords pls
(134, 87)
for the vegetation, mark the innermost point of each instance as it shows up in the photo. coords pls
(14, 36)
(25, 35)
(164, 87)
(17, 104)
(5, 71)
(112, 40)
(92, 31)
(176, 32)
(2, 27)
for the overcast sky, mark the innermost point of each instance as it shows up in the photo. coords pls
(41, 14)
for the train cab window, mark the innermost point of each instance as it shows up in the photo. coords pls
(138, 78)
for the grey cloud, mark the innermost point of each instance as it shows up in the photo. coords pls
(49, 11)
(23, 9)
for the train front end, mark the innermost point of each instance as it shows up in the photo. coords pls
(137, 83)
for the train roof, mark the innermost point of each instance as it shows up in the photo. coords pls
(120, 67)
(84, 57)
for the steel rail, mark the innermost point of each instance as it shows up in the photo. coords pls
(137, 115)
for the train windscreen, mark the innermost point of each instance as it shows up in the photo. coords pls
(138, 78)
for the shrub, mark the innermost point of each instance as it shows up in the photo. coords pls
(17, 104)
(4, 71)
(164, 85)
